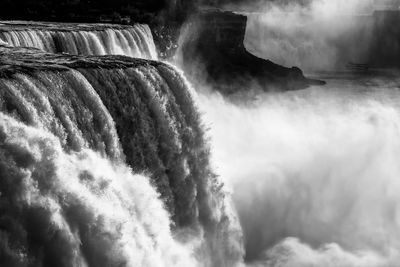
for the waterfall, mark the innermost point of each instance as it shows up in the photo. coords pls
(81, 39)
(105, 160)
(77, 209)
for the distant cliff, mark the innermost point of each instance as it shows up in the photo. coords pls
(215, 40)
(385, 48)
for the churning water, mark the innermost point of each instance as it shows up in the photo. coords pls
(314, 173)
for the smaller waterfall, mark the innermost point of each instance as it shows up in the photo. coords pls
(81, 39)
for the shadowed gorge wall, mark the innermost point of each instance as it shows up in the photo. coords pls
(326, 35)
(385, 51)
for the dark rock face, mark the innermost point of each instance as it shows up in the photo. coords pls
(215, 40)
(385, 48)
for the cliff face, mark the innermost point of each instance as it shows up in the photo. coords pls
(225, 30)
(215, 40)
(385, 48)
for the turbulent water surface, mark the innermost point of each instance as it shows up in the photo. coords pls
(315, 172)
(104, 163)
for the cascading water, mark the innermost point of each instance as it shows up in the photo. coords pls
(77, 208)
(81, 39)
(69, 125)
(104, 162)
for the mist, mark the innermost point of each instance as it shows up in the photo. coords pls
(314, 173)
(313, 35)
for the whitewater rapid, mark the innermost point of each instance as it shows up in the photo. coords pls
(78, 209)
(104, 162)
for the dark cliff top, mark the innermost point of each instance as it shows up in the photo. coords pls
(224, 15)
(48, 26)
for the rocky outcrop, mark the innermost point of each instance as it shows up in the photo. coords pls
(215, 40)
